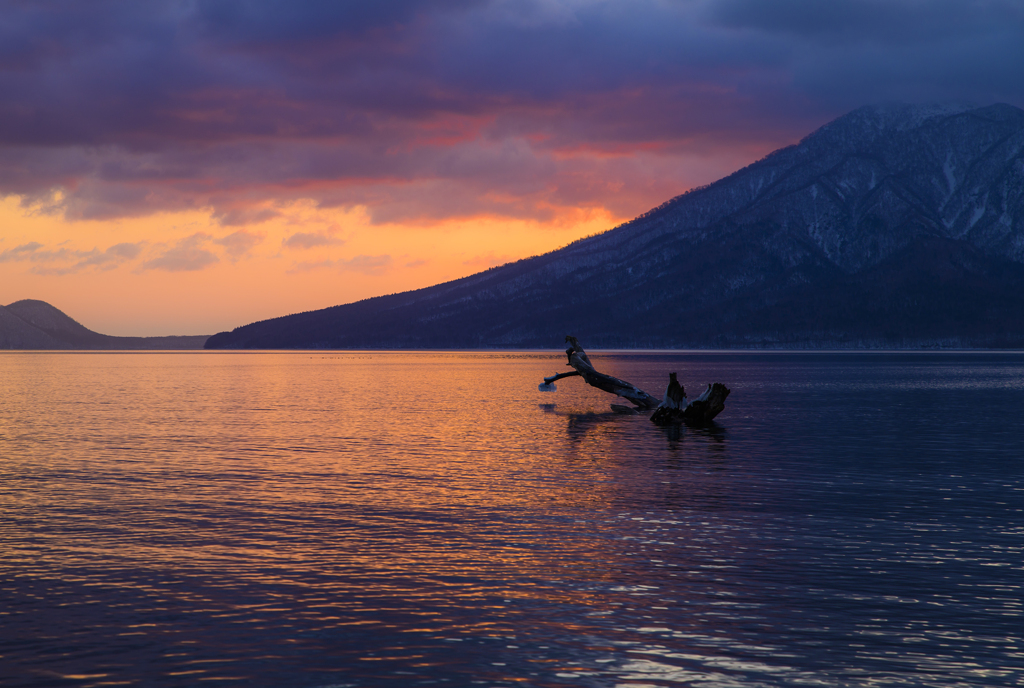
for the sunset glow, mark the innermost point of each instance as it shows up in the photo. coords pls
(185, 267)
(188, 168)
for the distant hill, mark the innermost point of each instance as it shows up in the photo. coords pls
(31, 324)
(892, 226)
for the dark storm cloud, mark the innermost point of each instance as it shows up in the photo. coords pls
(284, 25)
(844, 53)
(427, 108)
(885, 21)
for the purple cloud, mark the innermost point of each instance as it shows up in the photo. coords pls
(306, 240)
(441, 108)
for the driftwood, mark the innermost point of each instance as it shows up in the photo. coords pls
(672, 409)
(700, 411)
(579, 360)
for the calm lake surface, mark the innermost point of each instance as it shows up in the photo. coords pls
(336, 519)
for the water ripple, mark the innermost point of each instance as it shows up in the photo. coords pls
(309, 519)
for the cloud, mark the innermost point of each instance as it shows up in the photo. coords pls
(111, 258)
(23, 252)
(898, 23)
(367, 265)
(188, 254)
(124, 250)
(421, 109)
(64, 261)
(416, 263)
(67, 261)
(240, 215)
(305, 240)
(238, 244)
(363, 264)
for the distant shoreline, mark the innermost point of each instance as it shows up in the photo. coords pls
(736, 350)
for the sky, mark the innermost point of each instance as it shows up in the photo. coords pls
(187, 167)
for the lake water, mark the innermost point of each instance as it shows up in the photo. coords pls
(336, 519)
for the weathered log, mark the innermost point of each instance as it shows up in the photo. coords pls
(670, 410)
(548, 384)
(704, 408)
(673, 408)
(579, 360)
(701, 411)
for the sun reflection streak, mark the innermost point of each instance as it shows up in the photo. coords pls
(249, 516)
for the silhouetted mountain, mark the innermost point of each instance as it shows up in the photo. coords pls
(891, 226)
(31, 324)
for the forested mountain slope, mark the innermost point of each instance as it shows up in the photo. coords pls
(892, 226)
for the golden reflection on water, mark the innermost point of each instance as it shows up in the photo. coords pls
(260, 517)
